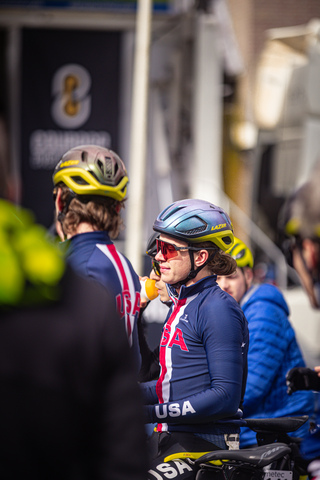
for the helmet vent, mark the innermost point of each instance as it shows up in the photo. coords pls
(240, 254)
(226, 240)
(100, 165)
(170, 212)
(109, 169)
(84, 156)
(196, 230)
(79, 180)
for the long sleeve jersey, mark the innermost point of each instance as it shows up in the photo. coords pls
(272, 352)
(94, 255)
(203, 359)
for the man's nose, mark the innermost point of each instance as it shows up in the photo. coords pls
(159, 256)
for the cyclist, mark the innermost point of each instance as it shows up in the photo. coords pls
(90, 185)
(273, 349)
(203, 349)
(299, 222)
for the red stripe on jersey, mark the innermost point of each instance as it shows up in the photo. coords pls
(162, 352)
(125, 287)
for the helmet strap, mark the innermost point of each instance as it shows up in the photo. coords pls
(194, 271)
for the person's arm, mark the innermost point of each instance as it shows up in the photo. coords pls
(268, 328)
(149, 394)
(121, 440)
(225, 364)
(150, 367)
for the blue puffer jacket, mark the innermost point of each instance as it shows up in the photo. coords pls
(310, 447)
(273, 350)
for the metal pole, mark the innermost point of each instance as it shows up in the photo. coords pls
(138, 140)
(207, 124)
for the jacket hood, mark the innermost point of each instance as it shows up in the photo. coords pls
(267, 293)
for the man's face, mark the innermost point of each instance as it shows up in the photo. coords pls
(177, 268)
(235, 284)
(161, 286)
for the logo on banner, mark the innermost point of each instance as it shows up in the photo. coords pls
(71, 106)
(70, 109)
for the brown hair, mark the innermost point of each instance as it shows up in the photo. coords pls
(221, 263)
(102, 213)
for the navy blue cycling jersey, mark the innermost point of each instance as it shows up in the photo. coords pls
(203, 359)
(94, 255)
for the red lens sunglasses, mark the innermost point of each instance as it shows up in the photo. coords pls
(169, 250)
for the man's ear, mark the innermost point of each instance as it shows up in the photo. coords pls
(200, 257)
(248, 275)
(311, 254)
(59, 204)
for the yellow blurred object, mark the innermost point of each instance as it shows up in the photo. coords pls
(192, 456)
(31, 266)
(148, 289)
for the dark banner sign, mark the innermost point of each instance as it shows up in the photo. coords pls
(115, 5)
(69, 96)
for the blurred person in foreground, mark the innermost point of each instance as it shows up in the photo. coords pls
(299, 225)
(70, 407)
(90, 186)
(273, 348)
(150, 368)
(196, 402)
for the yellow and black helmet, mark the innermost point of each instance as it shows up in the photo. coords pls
(92, 170)
(241, 253)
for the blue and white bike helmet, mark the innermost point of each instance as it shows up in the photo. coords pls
(194, 221)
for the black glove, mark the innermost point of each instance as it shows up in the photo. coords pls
(302, 378)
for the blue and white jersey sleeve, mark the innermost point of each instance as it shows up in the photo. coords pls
(93, 255)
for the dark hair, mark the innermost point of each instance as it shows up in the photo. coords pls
(221, 263)
(102, 213)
